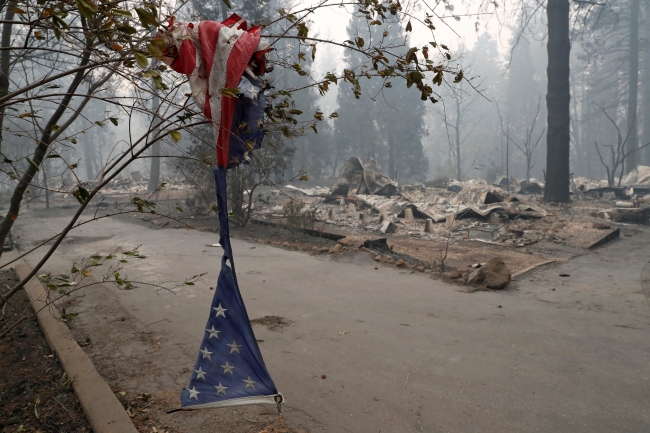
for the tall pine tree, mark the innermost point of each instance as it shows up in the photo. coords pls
(379, 122)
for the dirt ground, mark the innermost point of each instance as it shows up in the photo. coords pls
(35, 395)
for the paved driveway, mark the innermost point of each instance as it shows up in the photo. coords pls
(416, 355)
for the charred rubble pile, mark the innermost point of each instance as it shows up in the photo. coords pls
(363, 201)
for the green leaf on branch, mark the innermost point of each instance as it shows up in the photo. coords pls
(227, 3)
(87, 8)
(126, 29)
(313, 52)
(303, 31)
(411, 56)
(159, 83)
(68, 317)
(459, 77)
(113, 120)
(334, 115)
(437, 79)
(142, 205)
(100, 124)
(359, 42)
(175, 136)
(147, 18)
(230, 92)
(33, 164)
(156, 48)
(81, 194)
(409, 27)
(141, 59)
(122, 13)
(331, 78)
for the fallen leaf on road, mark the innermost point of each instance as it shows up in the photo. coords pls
(343, 332)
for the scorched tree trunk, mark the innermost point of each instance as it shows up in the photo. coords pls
(557, 102)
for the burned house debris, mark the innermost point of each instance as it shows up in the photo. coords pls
(363, 202)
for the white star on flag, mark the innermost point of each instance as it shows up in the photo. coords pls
(206, 353)
(227, 368)
(213, 332)
(220, 311)
(194, 393)
(221, 389)
(249, 383)
(200, 374)
(234, 347)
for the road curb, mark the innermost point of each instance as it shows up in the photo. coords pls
(103, 411)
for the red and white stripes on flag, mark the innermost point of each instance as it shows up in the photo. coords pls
(214, 56)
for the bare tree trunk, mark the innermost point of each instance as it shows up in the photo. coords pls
(575, 128)
(585, 130)
(391, 156)
(5, 60)
(154, 172)
(633, 89)
(508, 156)
(646, 99)
(558, 99)
(90, 160)
(459, 173)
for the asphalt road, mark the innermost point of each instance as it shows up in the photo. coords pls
(416, 354)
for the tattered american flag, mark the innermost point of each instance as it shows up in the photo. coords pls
(229, 369)
(214, 56)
